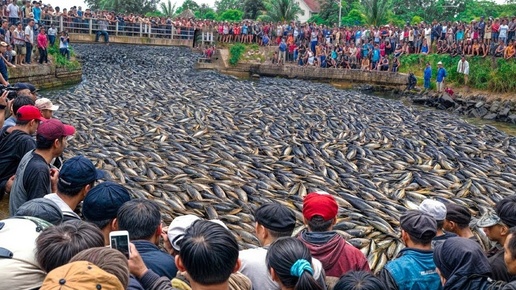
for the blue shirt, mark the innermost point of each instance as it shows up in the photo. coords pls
(36, 11)
(160, 262)
(441, 74)
(283, 46)
(428, 73)
(3, 70)
(424, 48)
(376, 55)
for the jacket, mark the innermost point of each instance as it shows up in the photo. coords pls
(160, 262)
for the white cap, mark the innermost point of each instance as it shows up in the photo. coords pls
(439, 63)
(46, 104)
(177, 229)
(434, 208)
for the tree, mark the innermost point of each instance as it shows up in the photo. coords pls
(168, 9)
(188, 4)
(125, 6)
(223, 5)
(375, 11)
(282, 10)
(354, 17)
(231, 15)
(205, 12)
(252, 8)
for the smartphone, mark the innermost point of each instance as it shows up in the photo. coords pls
(120, 240)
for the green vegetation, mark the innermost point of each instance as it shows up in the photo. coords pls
(235, 53)
(485, 73)
(61, 60)
(246, 53)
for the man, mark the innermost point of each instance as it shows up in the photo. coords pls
(427, 76)
(26, 89)
(282, 51)
(414, 267)
(457, 222)
(336, 255)
(15, 142)
(46, 107)
(34, 177)
(4, 75)
(76, 178)
(4, 28)
(510, 257)
(102, 30)
(13, 11)
(36, 12)
(102, 204)
(273, 221)
(441, 75)
(437, 210)
(496, 226)
(15, 105)
(142, 219)
(463, 68)
(29, 40)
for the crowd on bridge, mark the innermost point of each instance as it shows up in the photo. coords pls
(61, 215)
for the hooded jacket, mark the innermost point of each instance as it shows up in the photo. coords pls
(463, 264)
(336, 255)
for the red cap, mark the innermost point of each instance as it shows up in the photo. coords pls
(54, 129)
(320, 203)
(29, 113)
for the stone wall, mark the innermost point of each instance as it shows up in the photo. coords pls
(44, 76)
(90, 38)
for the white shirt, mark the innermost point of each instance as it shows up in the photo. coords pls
(30, 33)
(52, 31)
(67, 211)
(463, 67)
(13, 10)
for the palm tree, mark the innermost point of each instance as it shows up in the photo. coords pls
(282, 10)
(168, 9)
(375, 11)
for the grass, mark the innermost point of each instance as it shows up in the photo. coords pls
(61, 61)
(238, 52)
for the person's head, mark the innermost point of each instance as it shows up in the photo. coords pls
(274, 220)
(436, 209)
(457, 218)
(81, 275)
(56, 245)
(289, 262)
(3, 47)
(107, 259)
(440, 64)
(29, 117)
(510, 251)
(42, 208)
(177, 229)
(42, 30)
(27, 89)
(320, 211)
(31, 22)
(208, 243)
(4, 24)
(77, 177)
(457, 259)
(506, 210)
(52, 135)
(141, 218)
(46, 107)
(358, 280)
(19, 26)
(417, 228)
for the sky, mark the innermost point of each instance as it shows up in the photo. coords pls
(70, 3)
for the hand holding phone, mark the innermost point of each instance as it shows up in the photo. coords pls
(120, 240)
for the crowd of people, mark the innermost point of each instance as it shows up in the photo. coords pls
(51, 242)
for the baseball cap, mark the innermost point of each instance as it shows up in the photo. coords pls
(489, 219)
(418, 224)
(320, 203)
(3, 44)
(506, 210)
(177, 229)
(439, 63)
(434, 208)
(46, 104)
(42, 208)
(80, 275)
(29, 113)
(78, 171)
(103, 201)
(276, 217)
(458, 214)
(26, 86)
(54, 129)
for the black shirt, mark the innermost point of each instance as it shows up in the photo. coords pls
(13, 146)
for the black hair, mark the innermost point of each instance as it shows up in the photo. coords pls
(358, 280)
(21, 101)
(44, 143)
(318, 224)
(140, 217)
(209, 252)
(101, 224)
(440, 224)
(71, 191)
(282, 254)
(461, 226)
(276, 234)
(511, 243)
(419, 241)
(22, 123)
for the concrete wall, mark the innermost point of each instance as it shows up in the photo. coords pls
(44, 76)
(88, 38)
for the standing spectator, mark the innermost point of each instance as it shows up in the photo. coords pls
(42, 46)
(282, 51)
(13, 11)
(52, 32)
(510, 257)
(427, 76)
(102, 30)
(457, 221)
(4, 28)
(4, 74)
(29, 41)
(15, 105)
(414, 267)
(441, 75)
(36, 12)
(358, 280)
(19, 44)
(63, 45)
(503, 31)
(46, 107)
(463, 68)
(437, 210)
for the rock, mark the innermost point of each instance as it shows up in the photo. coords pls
(490, 116)
(479, 104)
(446, 101)
(505, 112)
(512, 118)
(494, 106)
(478, 112)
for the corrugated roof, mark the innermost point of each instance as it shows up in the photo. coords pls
(313, 5)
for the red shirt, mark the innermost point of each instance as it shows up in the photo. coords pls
(42, 40)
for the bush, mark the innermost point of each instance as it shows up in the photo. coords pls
(60, 60)
(235, 53)
(231, 15)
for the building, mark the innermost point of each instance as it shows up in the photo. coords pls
(310, 7)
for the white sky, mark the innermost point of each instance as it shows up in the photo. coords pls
(70, 3)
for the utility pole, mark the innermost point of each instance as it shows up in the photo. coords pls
(340, 12)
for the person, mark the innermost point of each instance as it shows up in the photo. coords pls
(510, 258)
(13, 106)
(52, 32)
(15, 142)
(4, 74)
(457, 221)
(34, 177)
(102, 30)
(56, 245)
(441, 75)
(13, 11)
(288, 260)
(437, 210)
(41, 208)
(76, 178)
(42, 46)
(81, 275)
(414, 267)
(101, 204)
(19, 44)
(412, 81)
(358, 280)
(273, 221)
(282, 51)
(336, 255)
(496, 227)
(142, 219)
(27, 89)
(46, 107)
(463, 68)
(29, 41)
(63, 45)
(462, 265)
(427, 76)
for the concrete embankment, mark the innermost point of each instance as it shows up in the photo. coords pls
(45, 76)
(122, 39)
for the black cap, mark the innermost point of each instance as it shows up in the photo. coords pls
(506, 210)
(418, 224)
(276, 217)
(103, 201)
(42, 208)
(458, 214)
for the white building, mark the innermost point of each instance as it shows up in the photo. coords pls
(310, 7)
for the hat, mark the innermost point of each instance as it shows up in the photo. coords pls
(439, 63)
(434, 208)
(26, 86)
(320, 203)
(177, 229)
(54, 129)
(42, 208)
(488, 220)
(506, 210)
(3, 44)
(418, 224)
(81, 275)
(78, 171)
(103, 201)
(276, 217)
(46, 104)
(458, 214)
(29, 113)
